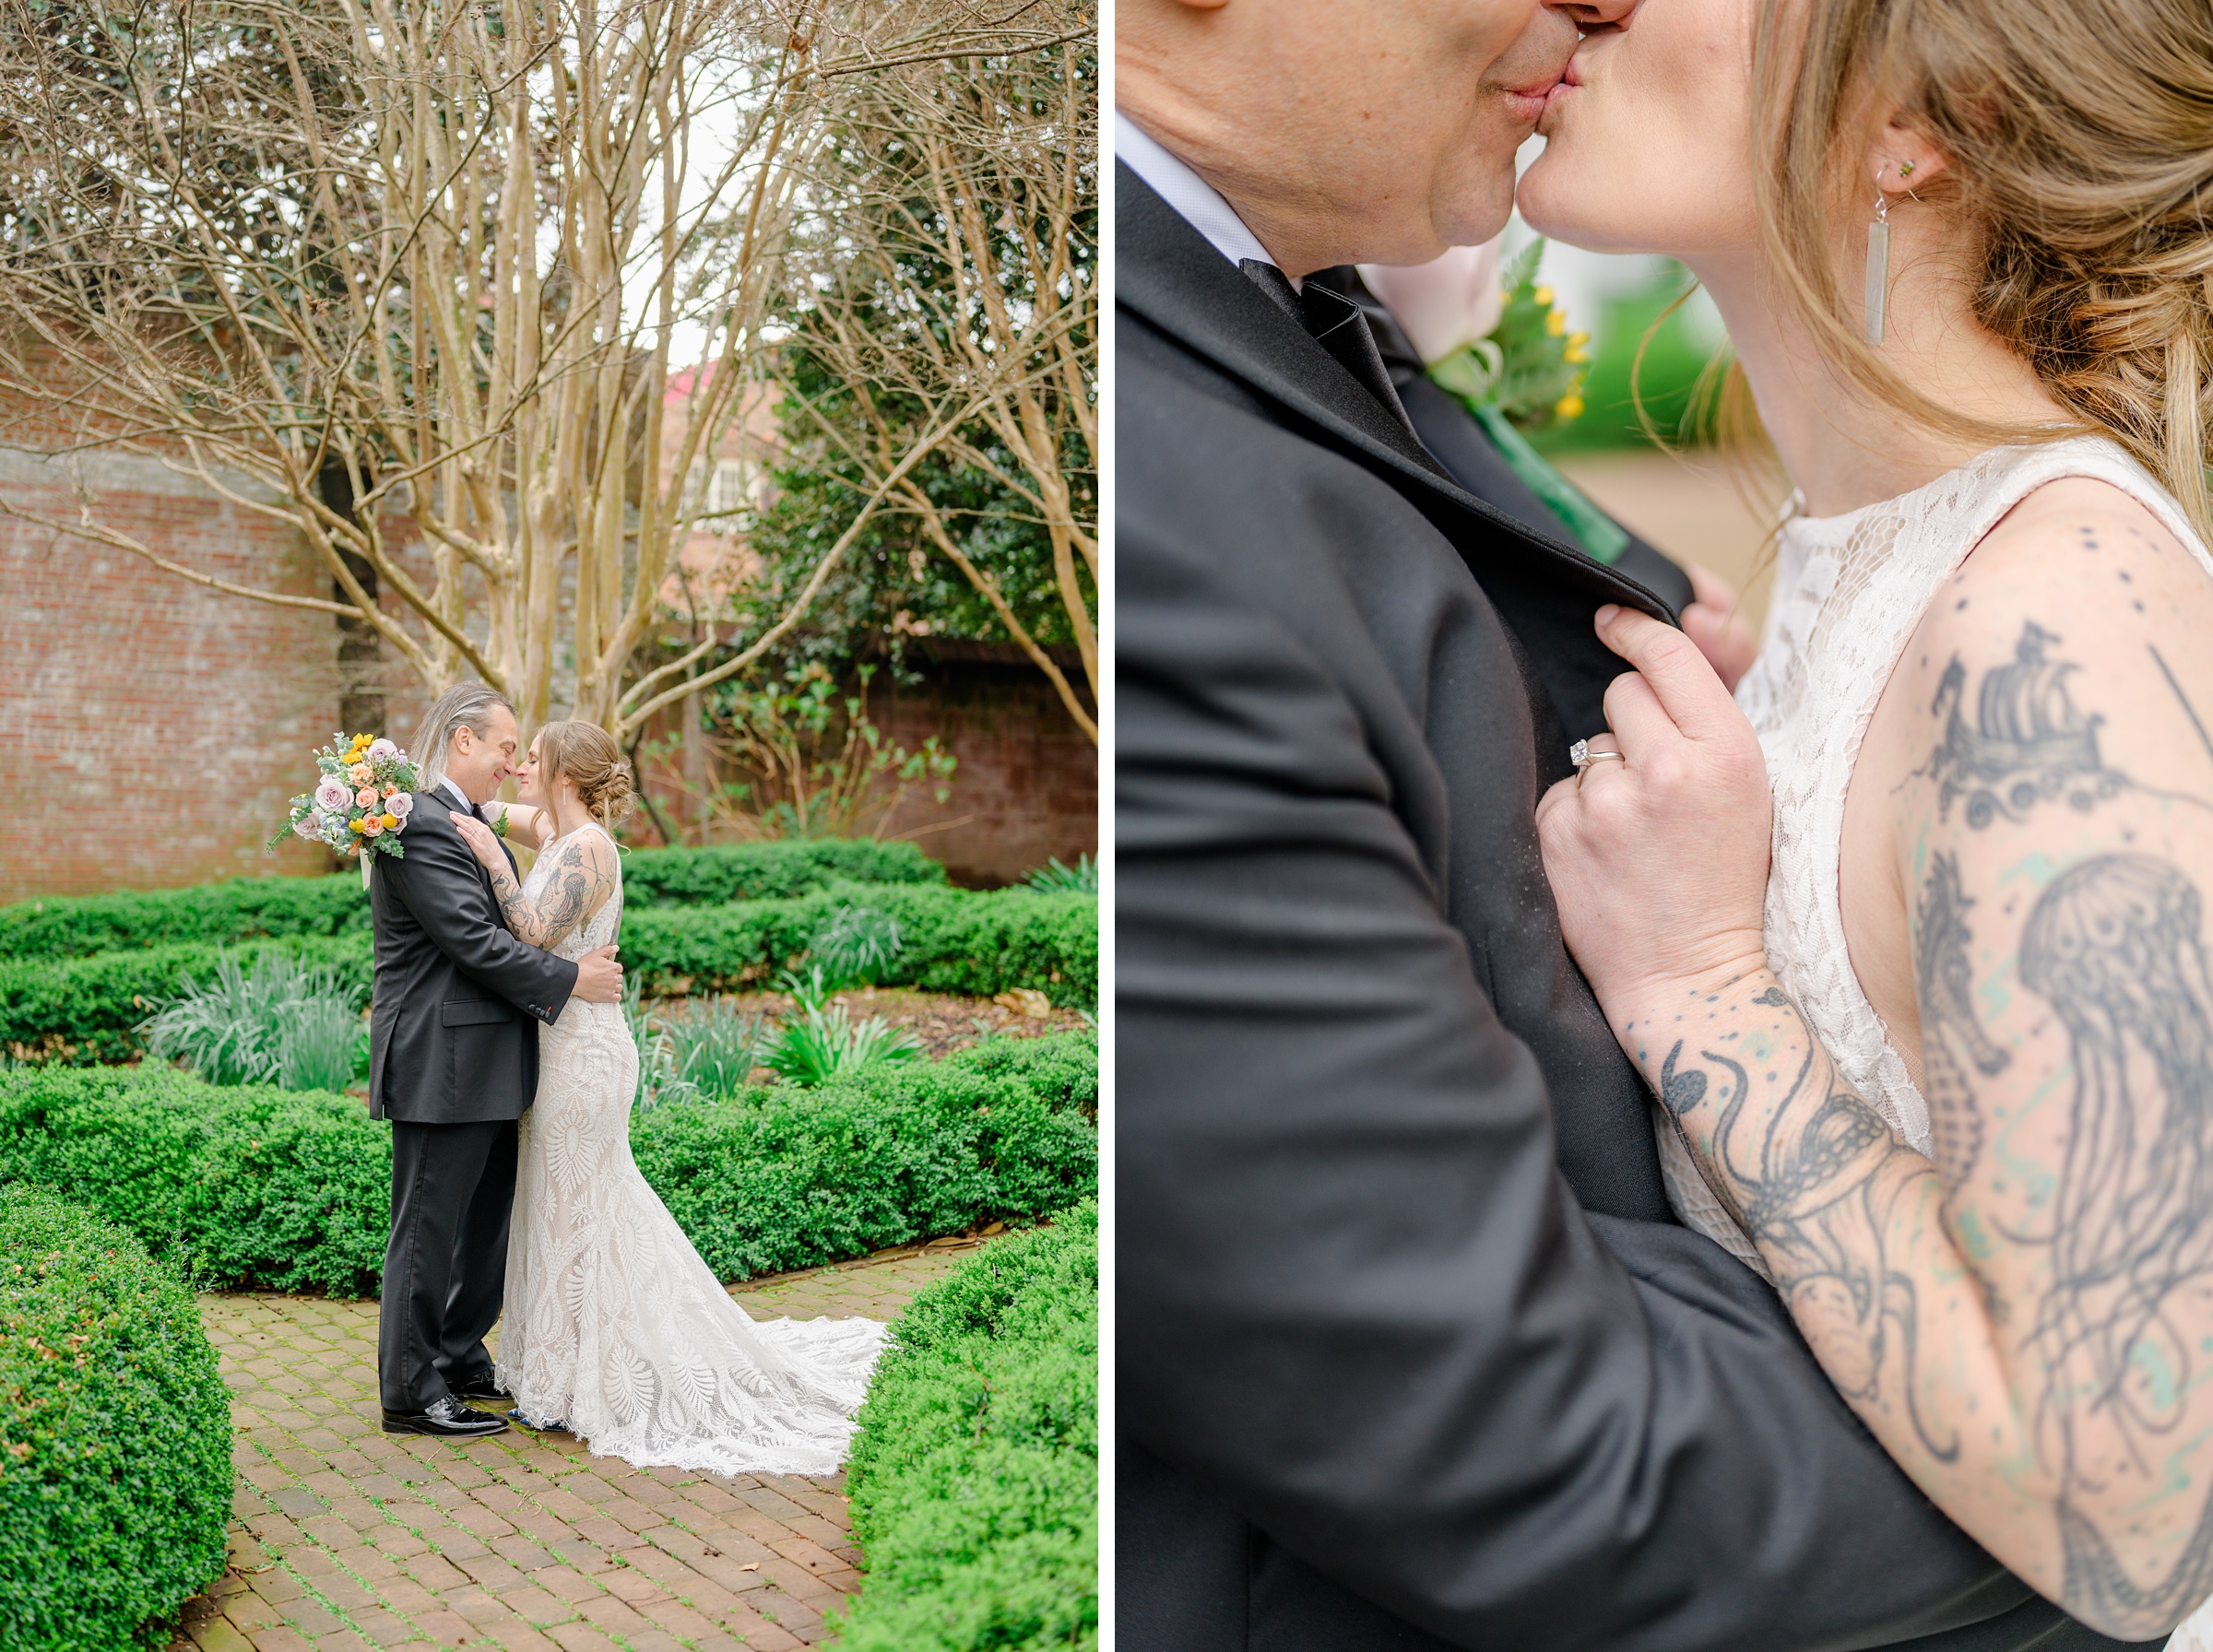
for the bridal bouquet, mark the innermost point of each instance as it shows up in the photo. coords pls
(361, 805)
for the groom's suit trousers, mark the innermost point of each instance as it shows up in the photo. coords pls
(453, 1187)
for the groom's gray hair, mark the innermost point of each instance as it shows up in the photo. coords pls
(465, 705)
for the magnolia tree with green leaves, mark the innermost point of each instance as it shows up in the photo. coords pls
(420, 274)
(942, 369)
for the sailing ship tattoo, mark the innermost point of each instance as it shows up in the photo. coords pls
(2028, 742)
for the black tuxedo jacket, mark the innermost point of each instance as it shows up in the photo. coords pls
(450, 1035)
(1411, 1353)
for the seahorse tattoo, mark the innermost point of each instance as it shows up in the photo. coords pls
(2114, 946)
(1949, 1029)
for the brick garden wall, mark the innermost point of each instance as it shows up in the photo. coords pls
(151, 730)
(1027, 788)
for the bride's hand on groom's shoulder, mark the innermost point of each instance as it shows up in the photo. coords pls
(1658, 860)
(481, 840)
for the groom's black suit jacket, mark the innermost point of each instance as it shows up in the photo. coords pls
(450, 1035)
(1411, 1353)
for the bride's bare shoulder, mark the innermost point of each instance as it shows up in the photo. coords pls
(2080, 557)
(2080, 610)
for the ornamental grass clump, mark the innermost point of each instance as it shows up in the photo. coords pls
(822, 1041)
(280, 1021)
(975, 1476)
(114, 1436)
(715, 1046)
(1055, 878)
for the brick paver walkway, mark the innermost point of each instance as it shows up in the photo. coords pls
(346, 1538)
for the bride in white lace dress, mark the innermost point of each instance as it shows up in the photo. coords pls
(1935, 1053)
(614, 1327)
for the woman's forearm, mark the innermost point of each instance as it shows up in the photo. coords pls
(522, 917)
(1851, 1223)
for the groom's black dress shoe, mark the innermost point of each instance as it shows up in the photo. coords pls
(479, 1387)
(447, 1419)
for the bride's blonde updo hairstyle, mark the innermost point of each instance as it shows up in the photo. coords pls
(587, 755)
(2079, 138)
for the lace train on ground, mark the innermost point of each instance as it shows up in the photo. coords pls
(613, 1323)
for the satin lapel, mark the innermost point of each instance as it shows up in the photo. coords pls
(1168, 273)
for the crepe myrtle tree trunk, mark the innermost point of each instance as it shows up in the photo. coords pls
(420, 280)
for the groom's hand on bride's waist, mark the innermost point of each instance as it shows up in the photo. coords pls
(598, 977)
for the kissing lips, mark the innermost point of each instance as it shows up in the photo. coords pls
(1529, 102)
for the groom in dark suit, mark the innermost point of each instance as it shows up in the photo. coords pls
(453, 1064)
(1412, 1354)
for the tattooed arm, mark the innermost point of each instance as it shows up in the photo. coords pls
(2025, 1321)
(579, 878)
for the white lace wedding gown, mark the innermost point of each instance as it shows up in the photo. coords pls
(1849, 591)
(614, 1325)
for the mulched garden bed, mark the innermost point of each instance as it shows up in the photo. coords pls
(943, 1021)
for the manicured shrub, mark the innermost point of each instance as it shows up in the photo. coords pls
(951, 940)
(771, 871)
(250, 908)
(85, 1011)
(291, 1190)
(114, 1436)
(975, 1477)
(789, 1177)
(243, 909)
(240, 1184)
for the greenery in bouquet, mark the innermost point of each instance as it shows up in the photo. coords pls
(1529, 367)
(362, 803)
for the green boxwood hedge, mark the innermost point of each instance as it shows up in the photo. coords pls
(975, 1477)
(289, 1190)
(774, 871)
(953, 940)
(114, 1436)
(251, 908)
(786, 1177)
(83, 1010)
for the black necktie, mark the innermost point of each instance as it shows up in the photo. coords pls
(1337, 324)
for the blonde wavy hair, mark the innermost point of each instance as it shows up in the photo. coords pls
(586, 754)
(2079, 135)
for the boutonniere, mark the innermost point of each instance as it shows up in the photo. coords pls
(1525, 374)
(1530, 367)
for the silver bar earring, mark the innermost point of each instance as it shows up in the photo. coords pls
(1878, 263)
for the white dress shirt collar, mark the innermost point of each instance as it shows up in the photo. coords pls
(460, 797)
(1196, 201)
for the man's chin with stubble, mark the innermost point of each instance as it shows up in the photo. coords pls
(1511, 99)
